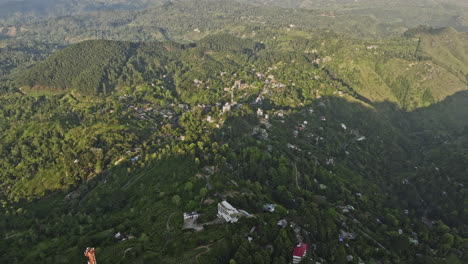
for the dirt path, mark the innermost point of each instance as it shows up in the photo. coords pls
(363, 233)
(134, 179)
(167, 221)
(10, 236)
(207, 249)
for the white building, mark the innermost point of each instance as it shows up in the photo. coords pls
(226, 108)
(259, 112)
(269, 208)
(227, 212)
(283, 223)
(191, 215)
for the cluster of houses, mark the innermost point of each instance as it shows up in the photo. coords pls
(230, 214)
(149, 113)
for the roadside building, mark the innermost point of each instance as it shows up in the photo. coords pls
(269, 208)
(299, 253)
(227, 212)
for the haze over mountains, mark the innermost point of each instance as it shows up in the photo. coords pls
(386, 13)
(123, 124)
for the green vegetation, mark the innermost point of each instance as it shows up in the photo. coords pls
(360, 143)
(88, 67)
(149, 20)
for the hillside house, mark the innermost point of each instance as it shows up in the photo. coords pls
(269, 208)
(279, 113)
(283, 223)
(299, 253)
(347, 235)
(209, 119)
(191, 216)
(227, 212)
(413, 241)
(259, 99)
(347, 208)
(295, 133)
(120, 236)
(259, 112)
(226, 108)
(330, 161)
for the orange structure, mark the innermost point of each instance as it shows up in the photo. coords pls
(89, 253)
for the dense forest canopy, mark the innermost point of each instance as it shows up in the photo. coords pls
(348, 118)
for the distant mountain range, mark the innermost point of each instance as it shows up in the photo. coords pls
(452, 13)
(338, 124)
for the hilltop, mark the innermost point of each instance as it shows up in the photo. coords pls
(446, 47)
(410, 72)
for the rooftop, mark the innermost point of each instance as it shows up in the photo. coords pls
(228, 206)
(300, 250)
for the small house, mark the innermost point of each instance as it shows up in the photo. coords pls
(269, 208)
(299, 253)
(135, 159)
(120, 236)
(283, 223)
(259, 112)
(347, 208)
(226, 108)
(191, 216)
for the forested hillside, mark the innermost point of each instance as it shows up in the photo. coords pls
(338, 124)
(409, 72)
(90, 67)
(343, 135)
(446, 47)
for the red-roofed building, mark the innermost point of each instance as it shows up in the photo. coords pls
(299, 252)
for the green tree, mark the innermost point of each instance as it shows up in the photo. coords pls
(176, 200)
